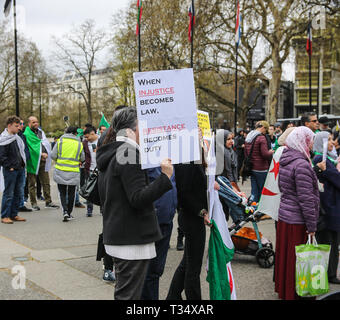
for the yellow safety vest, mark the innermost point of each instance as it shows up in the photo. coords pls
(69, 151)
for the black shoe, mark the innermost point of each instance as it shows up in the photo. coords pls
(66, 217)
(51, 206)
(334, 280)
(25, 209)
(180, 245)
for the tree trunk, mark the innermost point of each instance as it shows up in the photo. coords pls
(273, 94)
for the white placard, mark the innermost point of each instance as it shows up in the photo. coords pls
(167, 116)
(325, 149)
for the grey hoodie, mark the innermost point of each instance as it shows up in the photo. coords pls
(66, 177)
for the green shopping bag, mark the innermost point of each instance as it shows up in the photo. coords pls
(311, 277)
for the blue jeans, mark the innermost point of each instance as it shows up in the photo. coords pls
(13, 193)
(22, 200)
(257, 183)
(157, 264)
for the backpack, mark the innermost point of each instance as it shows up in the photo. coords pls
(247, 165)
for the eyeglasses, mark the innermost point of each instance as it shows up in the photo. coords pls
(314, 120)
(21, 123)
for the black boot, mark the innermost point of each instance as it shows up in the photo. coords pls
(180, 245)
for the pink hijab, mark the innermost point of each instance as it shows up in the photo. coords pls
(300, 139)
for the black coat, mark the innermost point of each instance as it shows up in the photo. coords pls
(127, 197)
(10, 156)
(191, 183)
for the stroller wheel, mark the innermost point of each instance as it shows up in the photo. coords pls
(265, 257)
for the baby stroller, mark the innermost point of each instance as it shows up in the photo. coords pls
(247, 241)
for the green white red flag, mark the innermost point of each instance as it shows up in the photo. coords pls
(139, 17)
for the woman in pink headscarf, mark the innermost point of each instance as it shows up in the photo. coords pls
(299, 207)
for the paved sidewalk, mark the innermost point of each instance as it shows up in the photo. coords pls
(60, 259)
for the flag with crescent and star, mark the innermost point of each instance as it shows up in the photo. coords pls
(270, 198)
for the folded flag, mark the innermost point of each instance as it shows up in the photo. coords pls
(238, 26)
(139, 17)
(191, 15)
(309, 40)
(7, 7)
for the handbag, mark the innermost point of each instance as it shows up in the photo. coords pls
(311, 278)
(89, 190)
(247, 165)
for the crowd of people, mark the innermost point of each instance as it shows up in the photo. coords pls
(138, 206)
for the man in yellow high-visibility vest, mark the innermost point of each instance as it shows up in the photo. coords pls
(69, 154)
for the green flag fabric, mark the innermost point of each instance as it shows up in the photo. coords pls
(219, 256)
(103, 122)
(34, 146)
(80, 132)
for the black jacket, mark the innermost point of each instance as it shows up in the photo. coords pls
(10, 156)
(191, 183)
(127, 197)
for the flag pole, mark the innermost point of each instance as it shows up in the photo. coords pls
(310, 68)
(139, 52)
(236, 56)
(139, 5)
(17, 109)
(236, 89)
(192, 34)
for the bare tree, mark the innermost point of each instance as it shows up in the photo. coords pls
(78, 51)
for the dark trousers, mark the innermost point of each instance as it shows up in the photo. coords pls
(330, 237)
(67, 196)
(45, 182)
(14, 181)
(257, 183)
(187, 274)
(38, 189)
(157, 264)
(130, 277)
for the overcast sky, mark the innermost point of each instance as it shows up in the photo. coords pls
(38, 20)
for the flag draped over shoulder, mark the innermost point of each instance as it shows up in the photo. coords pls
(139, 17)
(309, 39)
(34, 145)
(238, 32)
(103, 122)
(191, 14)
(7, 7)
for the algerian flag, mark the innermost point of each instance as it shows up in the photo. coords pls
(103, 122)
(271, 196)
(221, 247)
(35, 147)
(221, 252)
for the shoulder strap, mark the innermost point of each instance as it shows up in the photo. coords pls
(252, 146)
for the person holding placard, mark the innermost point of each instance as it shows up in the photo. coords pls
(130, 226)
(191, 182)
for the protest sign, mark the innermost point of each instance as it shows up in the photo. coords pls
(204, 125)
(167, 116)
